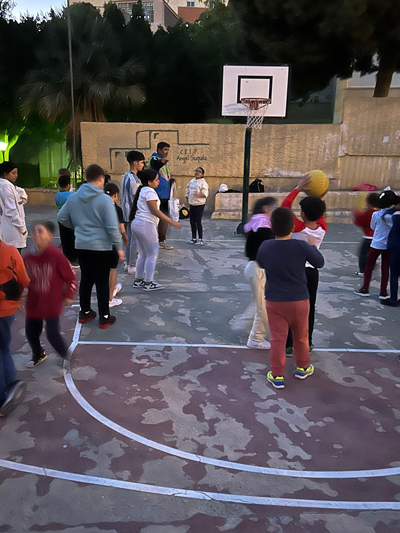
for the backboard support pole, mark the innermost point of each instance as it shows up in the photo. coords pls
(246, 176)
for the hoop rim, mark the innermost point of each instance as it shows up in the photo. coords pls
(255, 103)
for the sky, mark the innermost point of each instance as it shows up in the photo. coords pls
(35, 6)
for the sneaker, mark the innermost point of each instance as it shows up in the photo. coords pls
(125, 266)
(362, 292)
(138, 284)
(264, 345)
(86, 316)
(75, 265)
(200, 242)
(303, 373)
(193, 241)
(131, 270)
(390, 303)
(118, 288)
(14, 396)
(384, 296)
(165, 246)
(106, 321)
(114, 302)
(360, 274)
(152, 286)
(311, 347)
(35, 361)
(278, 382)
(289, 351)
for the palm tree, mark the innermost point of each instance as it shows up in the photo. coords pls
(100, 78)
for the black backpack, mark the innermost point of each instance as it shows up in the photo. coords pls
(256, 186)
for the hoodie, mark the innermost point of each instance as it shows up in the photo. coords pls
(92, 216)
(12, 215)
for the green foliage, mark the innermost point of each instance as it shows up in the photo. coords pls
(6, 7)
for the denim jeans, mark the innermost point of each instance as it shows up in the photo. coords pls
(8, 374)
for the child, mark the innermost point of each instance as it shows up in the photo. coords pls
(258, 230)
(286, 294)
(13, 279)
(64, 184)
(393, 245)
(196, 196)
(381, 227)
(312, 226)
(362, 219)
(53, 283)
(67, 236)
(113, 191)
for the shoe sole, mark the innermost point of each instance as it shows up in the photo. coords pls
(13, 402)
(258, 347)
(42, 360)
(361, 294)
(86, 320)
(382, 298)
(298, 376)
(105, 326)
(152, 290)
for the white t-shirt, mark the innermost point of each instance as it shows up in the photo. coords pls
(143, 212)
(317, 234)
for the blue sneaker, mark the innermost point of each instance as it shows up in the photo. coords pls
(303, 373)
(278, 382)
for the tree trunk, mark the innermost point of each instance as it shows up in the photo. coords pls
(387, 67)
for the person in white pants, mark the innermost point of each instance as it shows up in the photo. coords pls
(257, 230)
(145, 216)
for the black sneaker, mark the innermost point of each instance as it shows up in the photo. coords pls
(14, 396)
(362, 292)
(390, 303)
(86, 316)
(106, 321)
(384, 296)
(311, 347)
(289, 351)
(35, 361)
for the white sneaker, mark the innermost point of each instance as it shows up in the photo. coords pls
(138, 284)
(165, 246)
(118, 288)
(131, 270)
(152, 286)
(125, 266)
(114, 302)
(264, 345)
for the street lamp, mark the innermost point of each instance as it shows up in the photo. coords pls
(71, 73)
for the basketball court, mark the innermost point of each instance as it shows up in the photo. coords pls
(165, 422)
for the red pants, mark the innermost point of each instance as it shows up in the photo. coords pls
(373, 255)
(281, 317)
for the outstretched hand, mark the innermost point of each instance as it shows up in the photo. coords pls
(303, 182)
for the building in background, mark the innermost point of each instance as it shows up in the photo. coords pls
(161, 12)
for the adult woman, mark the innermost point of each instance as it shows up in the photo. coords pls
(258, 230)
(145, 216)
(12, 215)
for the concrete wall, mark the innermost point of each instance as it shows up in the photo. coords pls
(365, 148)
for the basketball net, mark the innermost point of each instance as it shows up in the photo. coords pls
(256, 110)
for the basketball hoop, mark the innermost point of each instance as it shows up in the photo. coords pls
(256, 110)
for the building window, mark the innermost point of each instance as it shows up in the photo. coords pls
(190, 4)
(148, 10)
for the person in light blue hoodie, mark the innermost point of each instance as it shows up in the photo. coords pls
(92, 216)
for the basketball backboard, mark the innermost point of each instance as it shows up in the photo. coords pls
(254, 82)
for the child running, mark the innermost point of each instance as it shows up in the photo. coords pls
(53, 283)
(381, 227)
(196, 196)
(258, 230)
(311, 226)
(13, 280)
(113, 191)
(286, 294)
(145, 216)
(362, 219)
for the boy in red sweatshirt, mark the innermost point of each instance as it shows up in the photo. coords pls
(53, 283)
(362, 219)
(13, 280)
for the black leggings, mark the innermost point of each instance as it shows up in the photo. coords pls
(363, 254)
(196, 213)
(394, 274)
(312, 275)
(33, 330)
(95, 270)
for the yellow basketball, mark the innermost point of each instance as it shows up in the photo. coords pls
(318, 184)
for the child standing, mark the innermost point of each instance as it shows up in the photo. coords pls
(53, 283)
(286, 294)
(64, 185)
(13, 279)
(113, 191)
(362, 219)
(381, 227)
(258, 230)
(393, 245)
(311, 228)
(67, 236)
(196, 196)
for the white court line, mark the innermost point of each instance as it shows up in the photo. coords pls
(346, 474)
(200, 495)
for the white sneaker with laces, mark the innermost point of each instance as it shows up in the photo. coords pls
(118, 288)
(114, 302)
(152, 286)
(264, 345)
(131, 270)
(138, 284)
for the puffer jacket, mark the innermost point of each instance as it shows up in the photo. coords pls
(12, 214)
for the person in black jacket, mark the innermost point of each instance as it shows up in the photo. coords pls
(257, 230)
(393, 244)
